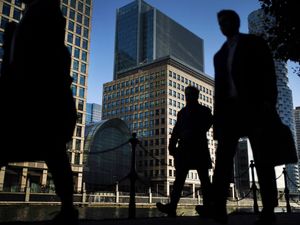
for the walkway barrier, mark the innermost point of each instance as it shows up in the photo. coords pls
(148, 197)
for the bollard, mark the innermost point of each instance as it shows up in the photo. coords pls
(286, 192)
(132, 177)
(254, 188)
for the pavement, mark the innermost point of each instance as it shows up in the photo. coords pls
(234, 219)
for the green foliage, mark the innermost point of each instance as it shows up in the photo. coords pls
(284, 37)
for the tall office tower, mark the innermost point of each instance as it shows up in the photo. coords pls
(257, 25)
(78, 26)
(148, 95)
(93, 113)
(144, 34)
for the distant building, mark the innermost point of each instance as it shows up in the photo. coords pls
(258, 26)
(104, 169)
(144, 34)
(241, 168)
(93, 113)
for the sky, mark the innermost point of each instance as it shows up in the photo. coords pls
(198, 16)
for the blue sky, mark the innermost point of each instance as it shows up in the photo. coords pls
(199, 16)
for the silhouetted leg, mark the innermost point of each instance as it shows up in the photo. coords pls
(265, 173)
(223, 169)
(181, 174)
(206, 186)
(59, 167)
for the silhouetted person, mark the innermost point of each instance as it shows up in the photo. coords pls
(38, 113)
(245, 99)
(189, 134)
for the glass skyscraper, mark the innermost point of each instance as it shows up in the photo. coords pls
(144, 34)
(77, 37)
(93, 113)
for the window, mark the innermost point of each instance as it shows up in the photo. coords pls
(79, 18)
(78, 29)
(85, 44)
(80, 104)
(86, 21)
(80, 6)
(85, 33)
(76, 53)
(6, 9)
(87, 10)
(75, 77)
(83, 68)
(81, 92)
(70, 38)
(17, 14)
(72, 14)
(77, 41)
(84, 56)
(64, 10)
(82, 80)
(75, 65)
(4, 21)
(71, 26)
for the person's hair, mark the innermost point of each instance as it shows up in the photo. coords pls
(191, 93)
(230, 15)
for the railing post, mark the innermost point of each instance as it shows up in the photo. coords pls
(150, 195)
(132, 177)
(286, 192)
(254, 188)
(27, 191)
(117, 192)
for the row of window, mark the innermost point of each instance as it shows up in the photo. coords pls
(16, 13)
(135, 81)
(77, 16)
(132, 91)
(188, 82)
(80, 4)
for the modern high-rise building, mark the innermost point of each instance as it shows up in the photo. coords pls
(93, 113)
(257, 25)
(148, 94)
(144, 34)
(77, 38)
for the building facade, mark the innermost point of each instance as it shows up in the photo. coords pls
(93, 113)
(285, 107)
(78, 27)
(148, 99)
(144, 34)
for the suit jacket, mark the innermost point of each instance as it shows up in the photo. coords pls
(254, 77)
(193, 122)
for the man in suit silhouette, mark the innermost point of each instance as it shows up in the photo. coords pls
(245, 97)
(36, 99)
(189, 133)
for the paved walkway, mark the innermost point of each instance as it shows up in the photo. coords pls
(234, 219)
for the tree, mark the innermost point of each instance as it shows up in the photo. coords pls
(284, 37)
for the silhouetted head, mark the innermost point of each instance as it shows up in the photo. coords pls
(191, 94)
(229, 22)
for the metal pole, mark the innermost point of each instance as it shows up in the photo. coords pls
(286, 192)
(254, 188)
(132, 177)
